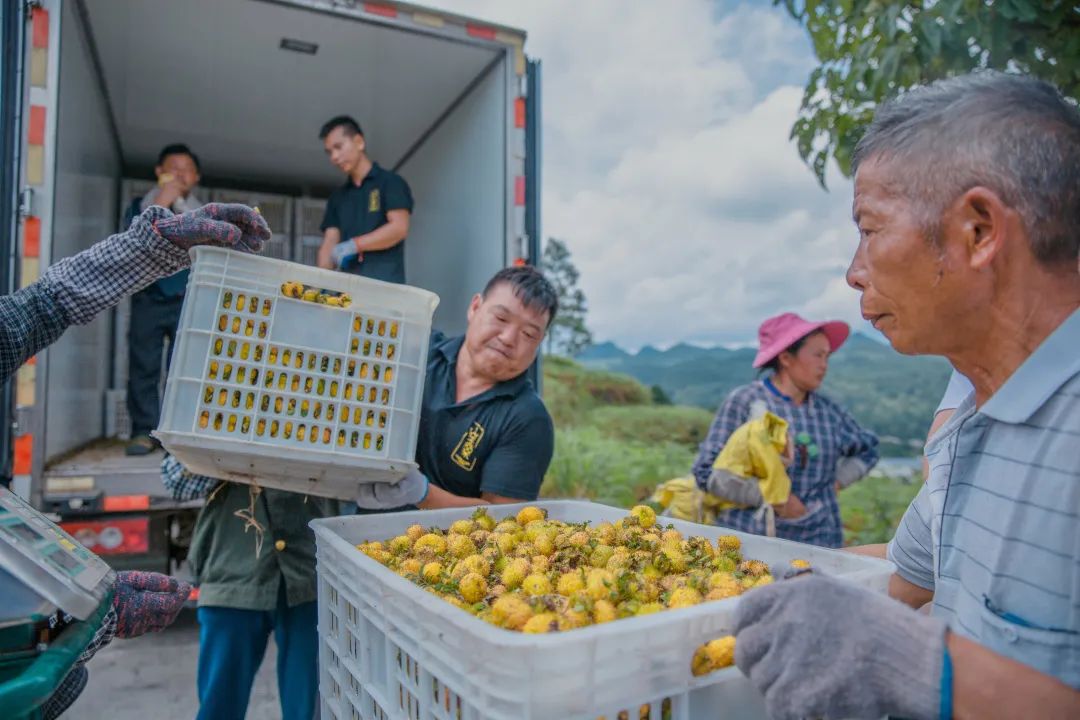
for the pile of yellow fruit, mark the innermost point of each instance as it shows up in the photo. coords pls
(537, 575)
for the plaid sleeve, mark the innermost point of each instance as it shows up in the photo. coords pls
(856, 441)
(75, 289)
(182, 484)
(732, 414)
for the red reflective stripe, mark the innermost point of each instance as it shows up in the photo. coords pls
(519, 112)
(32, 237)
(126, 503)
(40, 28)
(24, 454)
(124, 535)
(519, 190)
(479, 31)
(383, 10)
(36, 132)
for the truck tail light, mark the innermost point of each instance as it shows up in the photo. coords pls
(112, 537)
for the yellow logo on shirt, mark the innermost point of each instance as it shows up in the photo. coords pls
(466, 447)
(373, 201)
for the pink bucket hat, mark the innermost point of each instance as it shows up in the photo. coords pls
(778, 333)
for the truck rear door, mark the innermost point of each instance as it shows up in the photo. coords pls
(11, 94)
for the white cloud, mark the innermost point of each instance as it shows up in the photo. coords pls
(668, 170)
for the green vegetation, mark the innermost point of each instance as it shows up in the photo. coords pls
(614, 444)
(871, 509)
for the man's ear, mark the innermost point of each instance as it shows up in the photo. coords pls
(474, 306)
(982, 218)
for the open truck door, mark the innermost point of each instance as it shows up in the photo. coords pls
(12, 33)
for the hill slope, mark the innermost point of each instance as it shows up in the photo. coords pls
(894, 395)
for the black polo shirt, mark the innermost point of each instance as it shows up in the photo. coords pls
(499, 442)
(358, 209)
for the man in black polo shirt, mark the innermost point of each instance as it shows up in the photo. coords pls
(367, 219)
(485, 435)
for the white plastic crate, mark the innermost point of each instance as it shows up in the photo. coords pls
(389, 650)
(291, 394)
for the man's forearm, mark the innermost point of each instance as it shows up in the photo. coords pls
(75, 289)
(878, 551)
(382, 238)
(989, 686)
(439, 498)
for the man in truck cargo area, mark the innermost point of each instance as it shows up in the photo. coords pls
(967, 200)
(367, 218)
(72, 292)
(155, 310)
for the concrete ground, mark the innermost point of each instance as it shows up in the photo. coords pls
(153, 676)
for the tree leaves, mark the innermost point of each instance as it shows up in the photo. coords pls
(870, 50)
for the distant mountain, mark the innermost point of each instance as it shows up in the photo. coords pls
(894, 395)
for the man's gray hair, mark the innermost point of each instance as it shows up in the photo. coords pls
(1010, 133)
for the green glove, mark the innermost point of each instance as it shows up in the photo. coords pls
(821, 647)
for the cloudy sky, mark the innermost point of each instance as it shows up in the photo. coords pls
(667, 167)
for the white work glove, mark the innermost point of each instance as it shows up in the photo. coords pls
(821, 647)
(343, 252)
(410, 490)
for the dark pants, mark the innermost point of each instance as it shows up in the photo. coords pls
(153, 318)
(231, 647)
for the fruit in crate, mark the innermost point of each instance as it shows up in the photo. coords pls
(299, 291)
(534, 574)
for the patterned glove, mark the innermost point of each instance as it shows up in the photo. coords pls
(817, 647)
(410, 490)
(343, 252)
(147, 601)
(231, 226)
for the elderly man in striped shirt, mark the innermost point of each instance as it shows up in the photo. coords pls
(967, 199)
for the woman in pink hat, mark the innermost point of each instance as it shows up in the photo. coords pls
(828, 448)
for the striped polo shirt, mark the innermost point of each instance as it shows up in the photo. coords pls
(995, 530)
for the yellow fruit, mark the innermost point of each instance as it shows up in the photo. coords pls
(511, 611)
(508, 526)
(714, 655)
(754, 567)
(505, 542)
(472, 564)
(644, 515)
(473, 588)
(528, 514)
(571, 619)
(401, 544)
(683, 597)
(544, 544)
(649, 608)
(603, 611)
(763, 580)
(600, 556)
(536, 584)
(669, 537)
(599, 584)
(605, 533)
(411, 566)
(483, 520)
(728, 542)
(432, 572)
(460, 546)
(670, 560)
(570, 583)
(431, 541)
(515, 573)
(723, 585)
(462, 527)
(800, 564)
(540, 563)
(542, 623)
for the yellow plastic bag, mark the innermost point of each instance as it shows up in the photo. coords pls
(681, 499)
(754, 451)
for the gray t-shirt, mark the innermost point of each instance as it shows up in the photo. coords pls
(995, 530)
